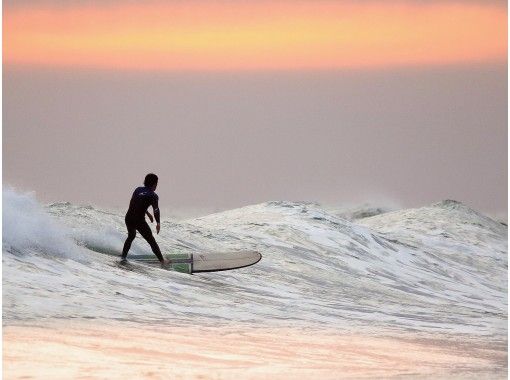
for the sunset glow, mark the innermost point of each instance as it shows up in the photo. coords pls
(254, 35)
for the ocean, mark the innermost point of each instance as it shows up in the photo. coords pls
(358, 292)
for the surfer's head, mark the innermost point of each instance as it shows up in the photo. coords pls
(151, 181)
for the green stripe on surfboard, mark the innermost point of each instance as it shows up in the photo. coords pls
(184, 266)
(180, 267)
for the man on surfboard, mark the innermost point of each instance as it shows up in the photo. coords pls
(142, 198)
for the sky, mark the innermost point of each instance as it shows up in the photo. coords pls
(239, 102)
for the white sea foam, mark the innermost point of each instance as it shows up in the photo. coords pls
(27, 226)
(440, 268)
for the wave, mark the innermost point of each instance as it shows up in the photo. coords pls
(26, 226)
(439, 268)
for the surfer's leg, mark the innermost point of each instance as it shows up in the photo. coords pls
(146, 232)
(129, 240)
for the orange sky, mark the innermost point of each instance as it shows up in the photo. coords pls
(224, 35)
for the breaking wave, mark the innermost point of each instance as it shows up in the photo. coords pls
(440, 268)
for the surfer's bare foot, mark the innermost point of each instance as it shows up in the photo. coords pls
(165, 262)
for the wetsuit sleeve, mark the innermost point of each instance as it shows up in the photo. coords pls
(155, 207)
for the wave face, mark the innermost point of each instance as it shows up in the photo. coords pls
(441, 268)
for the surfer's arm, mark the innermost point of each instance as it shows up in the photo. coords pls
(150, 216)
(155, 208)
(156, 214)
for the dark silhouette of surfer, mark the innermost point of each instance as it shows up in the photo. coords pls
(142, 198)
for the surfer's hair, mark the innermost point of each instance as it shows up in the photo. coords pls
(150, 180)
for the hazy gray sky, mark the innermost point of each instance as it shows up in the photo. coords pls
(222, 140)
(239, 102)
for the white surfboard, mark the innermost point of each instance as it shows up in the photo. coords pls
(204, 261)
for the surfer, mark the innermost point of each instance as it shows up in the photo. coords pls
(142, 198)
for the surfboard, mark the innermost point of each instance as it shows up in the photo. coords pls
(204, 262)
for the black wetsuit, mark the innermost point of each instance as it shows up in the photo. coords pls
(142, 198)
